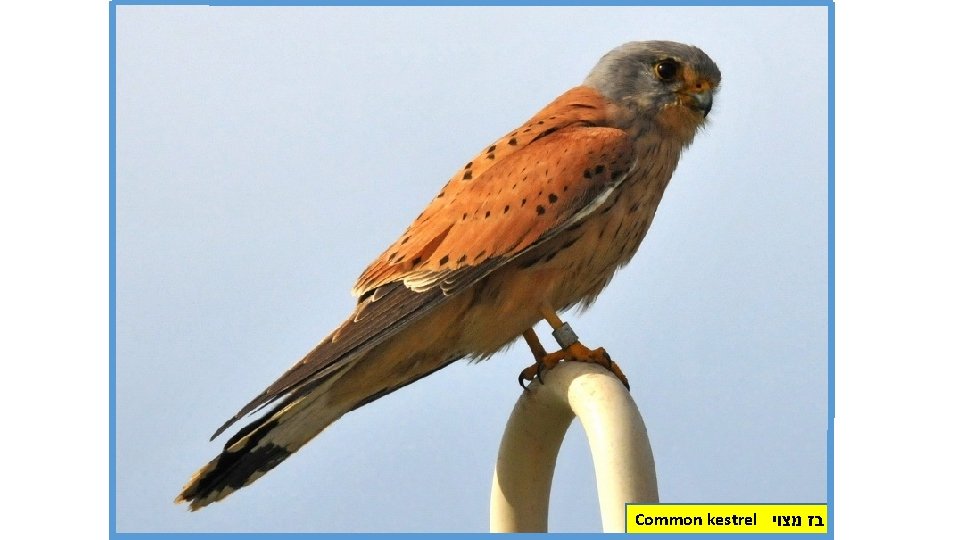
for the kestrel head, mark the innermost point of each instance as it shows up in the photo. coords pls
(670, 83)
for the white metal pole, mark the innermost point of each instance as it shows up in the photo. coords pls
(622, 458)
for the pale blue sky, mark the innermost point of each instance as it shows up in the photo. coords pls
(266, 155)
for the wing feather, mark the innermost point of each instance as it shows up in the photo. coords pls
(375, 319)
(528, 186)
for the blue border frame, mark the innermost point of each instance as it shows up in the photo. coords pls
(831, 289)
(831, 260)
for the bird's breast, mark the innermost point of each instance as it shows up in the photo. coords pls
(573, 266)
(587, 255)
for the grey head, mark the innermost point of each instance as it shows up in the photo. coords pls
(648, 76)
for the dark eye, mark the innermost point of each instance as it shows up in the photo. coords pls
(667, 70)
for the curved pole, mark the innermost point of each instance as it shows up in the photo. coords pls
(622, 458)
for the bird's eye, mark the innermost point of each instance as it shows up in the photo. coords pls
(667, 70)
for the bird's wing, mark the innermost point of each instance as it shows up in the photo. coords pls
(526, 186)
(531, 184)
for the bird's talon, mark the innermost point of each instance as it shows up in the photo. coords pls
(530, 373)
(576, 352)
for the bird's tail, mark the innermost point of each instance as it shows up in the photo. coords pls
(267, 441)
(262, 445)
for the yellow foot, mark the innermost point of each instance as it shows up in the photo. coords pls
(574, 353)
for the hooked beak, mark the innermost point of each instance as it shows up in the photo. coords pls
(702, 101)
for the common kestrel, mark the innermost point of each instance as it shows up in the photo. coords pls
(536, 223)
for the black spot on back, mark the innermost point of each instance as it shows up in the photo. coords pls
(544, 133)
